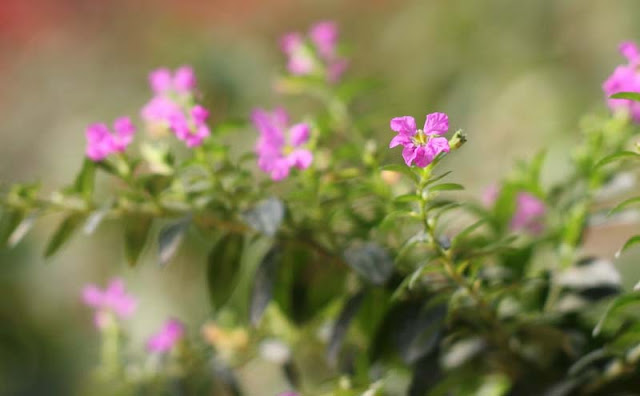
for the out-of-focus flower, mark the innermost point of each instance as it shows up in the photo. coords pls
(280, 147)
(625, 78)
(101, 142)
(227, 342)
(529, 212)
(289, 394)
(319, 56)
(172, 108)
(110, 301)
(163, 341)
(162, 81)
(421, 146)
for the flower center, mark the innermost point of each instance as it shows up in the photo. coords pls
(420, 138)
(287, 149)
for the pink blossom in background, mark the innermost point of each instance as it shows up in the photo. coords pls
(112, 300)
(101, 142)
(171, 108)
(280, 146)
(529, 211)
(421, 146)
(289, 394)
(163, 81)
(320, 56)
(625, 78)
(167, 337)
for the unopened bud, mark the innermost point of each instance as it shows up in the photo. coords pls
(457, 140)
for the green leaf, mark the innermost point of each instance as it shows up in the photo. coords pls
(85, 180)
(623, 205)
(403, 169)
(223, 266)
(170, 238)
(341, 325)
(22, 229)
(96, 217)
(626, 95)
(62, 234)
(437, 178)
(11, 219)
(616, 156)
(586, 360)
(464, 233)
(634, 240)
(447, 187)
(370, 261)
(136, 233)
(264, 280)
(406, 198)
(620, 302)
(266, 217)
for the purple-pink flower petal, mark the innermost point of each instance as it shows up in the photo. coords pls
(299, 134)
(163, 341)
(160, 80)
(184, 79)
(436, 123)
(405, 125)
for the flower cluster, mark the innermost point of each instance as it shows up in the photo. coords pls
(108, 302)
(529, 212)
(280, 146)
(625, 78)
(163, 341)
(319, 57)
(101, 142)
(421, 146)
(172, 107)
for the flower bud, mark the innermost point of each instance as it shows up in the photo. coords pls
(457, 140)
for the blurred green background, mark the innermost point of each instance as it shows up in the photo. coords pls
(515, 75)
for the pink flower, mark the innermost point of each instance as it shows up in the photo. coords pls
(529, 211)
(625, 78)
(167, 337)
(318, 57)
(172, 106)
(279, 147)
(421, 146)
(112, 300)
(162, 81)
(101, 142)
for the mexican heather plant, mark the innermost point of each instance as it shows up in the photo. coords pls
(357, 253)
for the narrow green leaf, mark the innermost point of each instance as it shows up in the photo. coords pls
(85, 180)
(438, 178)
(21, 230)
(62, 234)
(170, 238)
(223, 266)
(624, 204)
(634, 240)
(447, 187)
(620, 302)
(465, 232)
(264, 280)
(136, 233)
(626, 95)
(616, 156)
(406, 198)
(586, 360)
(341, 325)
(96, 217)
(11, 219)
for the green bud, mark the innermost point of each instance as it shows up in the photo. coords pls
(457, 140)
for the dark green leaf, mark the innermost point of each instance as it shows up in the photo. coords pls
(62, 234)
(11, 219)
(170, 238)
(223, 266)
(438, 178)
(266, 217)
(586, 360)
(136, 233)
(341, 325)
(618, 303)
(96, 217)
(370, 261)
(447, 187)
(626, 95)
(262, 290)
